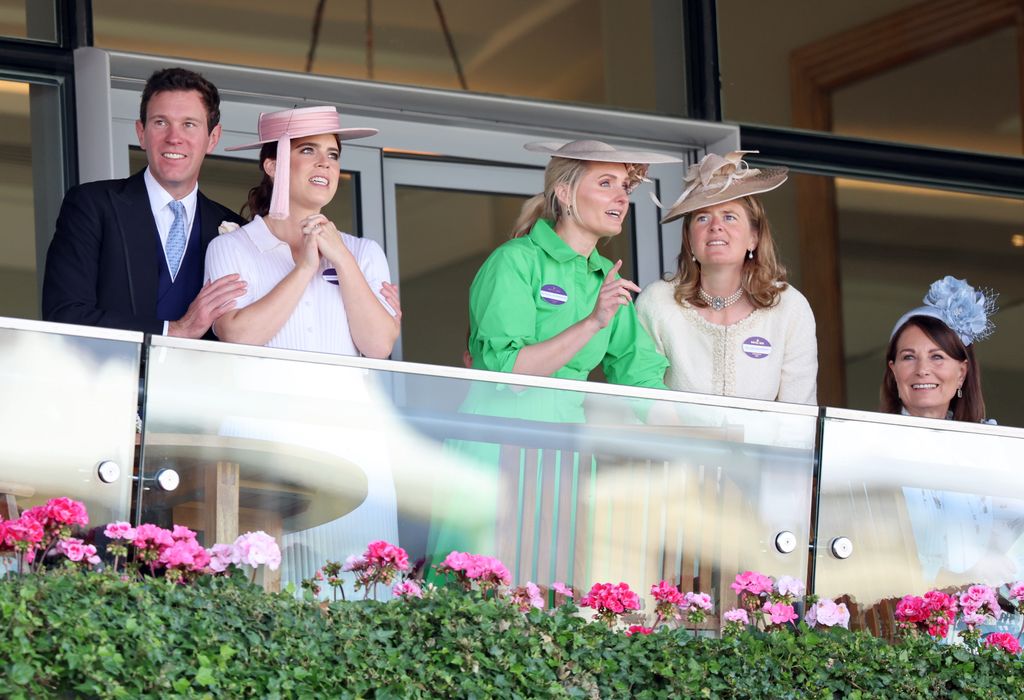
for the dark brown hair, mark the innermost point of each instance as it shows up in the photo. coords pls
(179, 79)
(258, 201)
(971, 407)
(764, 277)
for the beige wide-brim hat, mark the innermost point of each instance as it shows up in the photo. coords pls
(718, 179)
(597, 151)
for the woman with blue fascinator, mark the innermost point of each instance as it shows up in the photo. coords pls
(930, 367)
(931, 372)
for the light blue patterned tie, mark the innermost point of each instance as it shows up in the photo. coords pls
(176, 238)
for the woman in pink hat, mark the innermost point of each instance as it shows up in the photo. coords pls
(310, 287)
(728, 321)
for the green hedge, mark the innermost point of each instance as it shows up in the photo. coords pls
(72, 634)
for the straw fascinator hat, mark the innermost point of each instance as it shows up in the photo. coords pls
(292, 124)
(964, 309)
(597, 151)
(717, 179)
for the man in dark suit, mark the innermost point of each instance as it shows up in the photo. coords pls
(129, 253)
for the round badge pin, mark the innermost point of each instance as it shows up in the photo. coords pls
(553, 294)
(757, 347)
(330, 275)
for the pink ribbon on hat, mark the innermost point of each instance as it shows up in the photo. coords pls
(283, 127)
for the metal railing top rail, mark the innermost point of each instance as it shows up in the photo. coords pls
(523, 380)
(22, 324)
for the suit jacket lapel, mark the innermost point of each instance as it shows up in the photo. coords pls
(209, 221)
(140, 239)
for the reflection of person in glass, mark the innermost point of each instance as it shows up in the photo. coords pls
(728, 321)
(931, 372)
(310, 286)
(548, 303)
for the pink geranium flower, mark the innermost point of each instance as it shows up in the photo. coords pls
(72, 548)
(561, 588)
(258, 549)
(789, 586)
(933, 613)
(610, 601)
(119, 531)
(665, 592)
(698, 601)
(827, 613)
(24, 533)
(154, 537)
(737, 615)
(780, 613)
(487, 572)
(64, 511)
(77, 551)
(638, 629)
(526, 597)
(978, 603)
(382, 554)
(355, 562)
(1003, 640)
(409, 589)
(911, 609)
(222, 556)
(753, 583)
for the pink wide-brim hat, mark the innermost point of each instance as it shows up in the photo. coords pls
(291, 124)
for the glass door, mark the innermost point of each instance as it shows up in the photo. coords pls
(442, 221)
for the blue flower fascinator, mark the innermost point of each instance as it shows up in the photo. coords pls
(960, 306)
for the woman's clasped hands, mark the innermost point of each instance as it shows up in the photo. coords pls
(322, 238)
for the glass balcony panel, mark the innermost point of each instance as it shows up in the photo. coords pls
(925, 506)
(562, 481)
(69, 403)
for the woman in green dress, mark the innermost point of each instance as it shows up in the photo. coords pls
(547, 303)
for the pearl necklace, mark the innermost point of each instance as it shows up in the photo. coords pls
(719, 303)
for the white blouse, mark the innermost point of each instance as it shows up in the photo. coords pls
(319, 322)
(771, 354)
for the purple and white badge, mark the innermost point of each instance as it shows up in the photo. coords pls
(757, 347)
(330, 275)
(553, 294)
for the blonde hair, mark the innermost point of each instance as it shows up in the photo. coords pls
(568, 172)
(764, 277)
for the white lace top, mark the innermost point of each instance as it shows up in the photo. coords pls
(771, 354)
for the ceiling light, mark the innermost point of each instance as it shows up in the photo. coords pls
(1017, 240)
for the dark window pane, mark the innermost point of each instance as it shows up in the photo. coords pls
(18, 291)
(882, 69)
(25, 19)
(607, 52)
(438, 262)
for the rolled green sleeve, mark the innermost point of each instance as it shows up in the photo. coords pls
(501, 310)
(632, 358)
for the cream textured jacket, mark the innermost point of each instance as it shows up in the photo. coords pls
(771, 354)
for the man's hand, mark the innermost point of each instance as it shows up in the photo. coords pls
(213, 300)
(390, 293)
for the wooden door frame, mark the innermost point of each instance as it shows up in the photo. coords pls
(824, 66)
